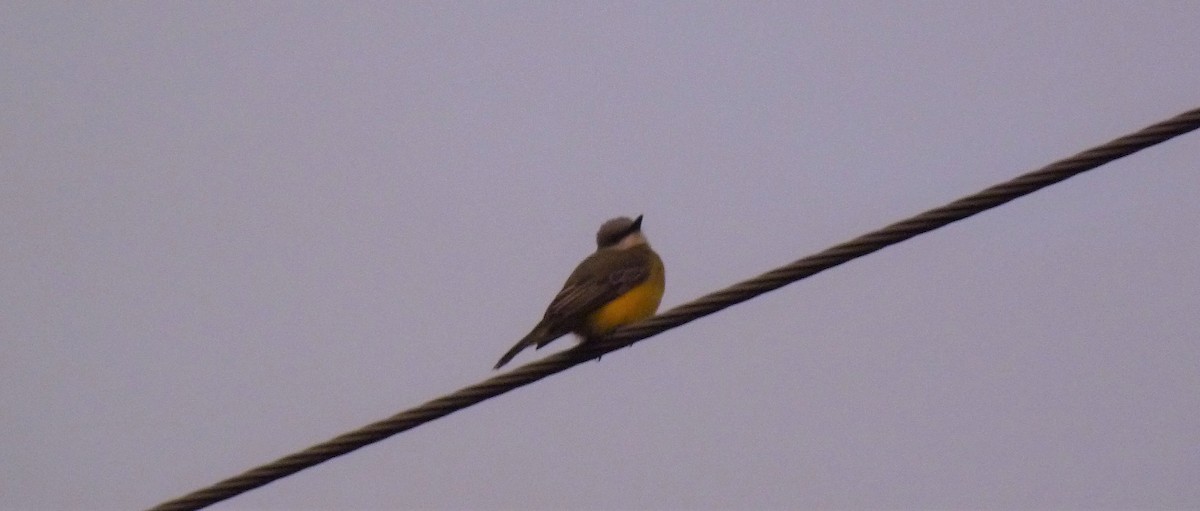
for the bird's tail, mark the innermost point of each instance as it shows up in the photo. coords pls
(534, 337)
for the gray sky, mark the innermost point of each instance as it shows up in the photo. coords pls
(233, 230)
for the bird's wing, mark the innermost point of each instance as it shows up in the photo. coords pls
(597, 280)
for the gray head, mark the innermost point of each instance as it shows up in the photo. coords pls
(614, 231)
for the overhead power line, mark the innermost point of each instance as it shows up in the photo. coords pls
(774, 279)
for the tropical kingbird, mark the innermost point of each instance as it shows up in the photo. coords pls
(620, 283)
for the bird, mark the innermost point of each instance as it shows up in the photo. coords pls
(620, 283)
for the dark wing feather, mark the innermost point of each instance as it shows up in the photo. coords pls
(599, 279)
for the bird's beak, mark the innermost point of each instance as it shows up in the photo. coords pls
(637, 224)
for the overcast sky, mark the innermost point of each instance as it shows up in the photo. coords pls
(232, 230)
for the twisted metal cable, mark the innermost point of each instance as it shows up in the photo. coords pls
(769, 281)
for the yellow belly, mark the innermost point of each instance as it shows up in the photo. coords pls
(637, 304)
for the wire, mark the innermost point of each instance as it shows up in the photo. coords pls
(769, 281)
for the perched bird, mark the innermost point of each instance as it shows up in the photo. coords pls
(620, 283)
